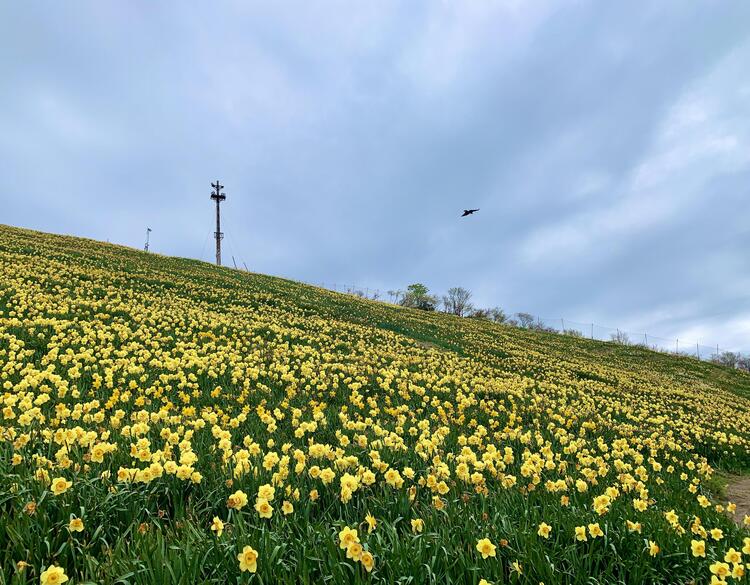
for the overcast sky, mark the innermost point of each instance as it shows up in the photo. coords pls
(606, 144)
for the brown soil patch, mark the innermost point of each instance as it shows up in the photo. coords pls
(738, 492)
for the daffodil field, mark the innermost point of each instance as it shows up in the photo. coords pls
(167, 421)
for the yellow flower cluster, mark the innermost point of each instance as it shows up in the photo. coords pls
(349, 541)
(246, 406)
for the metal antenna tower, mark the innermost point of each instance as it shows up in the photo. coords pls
(148, 233)
(218, 196)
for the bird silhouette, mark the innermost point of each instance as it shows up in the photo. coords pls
(468, 212)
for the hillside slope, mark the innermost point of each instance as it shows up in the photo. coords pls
(141, 393)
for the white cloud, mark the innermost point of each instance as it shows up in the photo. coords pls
(704, 135)
(604, 143)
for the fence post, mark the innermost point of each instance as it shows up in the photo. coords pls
(592, 331)
(677, 346)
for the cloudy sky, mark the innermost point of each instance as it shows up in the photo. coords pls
(606, 144)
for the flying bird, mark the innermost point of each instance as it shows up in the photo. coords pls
(468, 212)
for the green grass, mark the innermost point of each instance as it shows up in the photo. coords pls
(90, 329)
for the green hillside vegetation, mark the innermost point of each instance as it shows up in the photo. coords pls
(208, 424)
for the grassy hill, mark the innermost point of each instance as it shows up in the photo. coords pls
(158, 400)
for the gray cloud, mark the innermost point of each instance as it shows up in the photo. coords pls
(605, 144)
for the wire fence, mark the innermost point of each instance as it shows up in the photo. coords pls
(686, 347)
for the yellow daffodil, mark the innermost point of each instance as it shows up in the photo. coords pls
(237, 500)
(248, 559)
(217, 526)
(368, 561)
(264, 508)
(732, 556)
(371, 522)
(354, 551)
(486, 548)
(347, 536)
(721, 570)
(53, 575)
(60, 485)
(75, 525)
(544, 530)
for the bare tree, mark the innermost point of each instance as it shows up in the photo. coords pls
(540, 326)
(498, 315)
(728, 358)
(525, 320)
(457, 302)
(495, 314)
(480, 314)
(620, 338)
